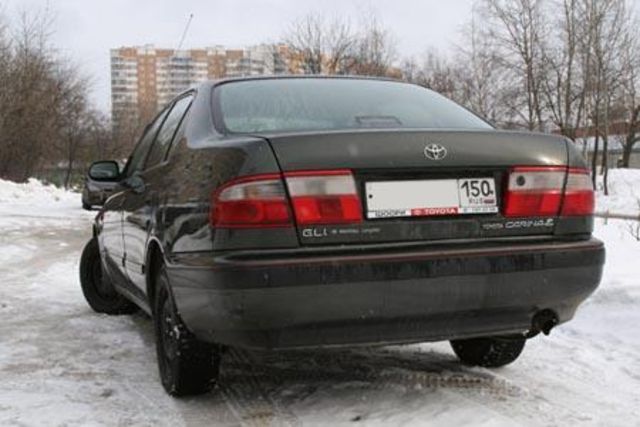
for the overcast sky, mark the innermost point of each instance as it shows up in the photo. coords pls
(85, 30)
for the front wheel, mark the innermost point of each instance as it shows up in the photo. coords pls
(96, 286)
(488, 352)
(187, 366)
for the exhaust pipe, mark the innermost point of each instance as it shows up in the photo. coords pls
(543, 321)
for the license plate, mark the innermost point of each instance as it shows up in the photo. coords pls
(433, 197)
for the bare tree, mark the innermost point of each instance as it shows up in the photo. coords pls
(30, 96)
(567, 67)
(45, 119)
(318, 45)
(481, 79)
(516, 26)
(630, 97)
(440, 74)
(633, 134)
(575, 72)
(607, 27)
(74, 119)
(435, 72)
(101, 143)
(374, 49)
(472, 76)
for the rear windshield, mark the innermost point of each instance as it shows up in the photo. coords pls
(292, 105)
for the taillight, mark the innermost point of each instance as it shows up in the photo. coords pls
(324, 197)
(255, 201)
(538, 192)
(534, 191)
(578, 194)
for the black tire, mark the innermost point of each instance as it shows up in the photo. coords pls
(489, 352)
(96, 286)
(86, 207)
(187, 366)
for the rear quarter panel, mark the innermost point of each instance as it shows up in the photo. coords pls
(190, 180)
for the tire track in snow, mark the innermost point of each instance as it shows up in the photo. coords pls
(247, 397)
(486, 388)
(251, 388)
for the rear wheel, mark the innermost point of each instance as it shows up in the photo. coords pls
(96, 286)
(86, 206)
(187, 366)
(488, 352)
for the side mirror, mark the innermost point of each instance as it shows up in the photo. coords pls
(106, 170)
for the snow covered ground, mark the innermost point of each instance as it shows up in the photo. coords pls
(62, 364)
(624, 192)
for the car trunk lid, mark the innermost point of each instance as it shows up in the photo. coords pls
(415, 168)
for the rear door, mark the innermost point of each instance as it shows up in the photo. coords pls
(421, 185)
(134, 184)
(140, 208)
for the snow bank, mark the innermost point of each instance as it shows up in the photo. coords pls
(34, 192)
(622, 238)
(621, 268)
(37, 200)
(624, 192)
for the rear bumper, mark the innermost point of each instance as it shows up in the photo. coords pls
(314, 298)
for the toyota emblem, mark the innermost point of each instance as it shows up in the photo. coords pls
(435, 152)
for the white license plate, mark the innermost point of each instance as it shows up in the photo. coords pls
(433, 197)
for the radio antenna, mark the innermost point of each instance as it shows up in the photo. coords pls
(165, 85)
(184, 33)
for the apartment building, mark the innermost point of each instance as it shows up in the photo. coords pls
(145, 78)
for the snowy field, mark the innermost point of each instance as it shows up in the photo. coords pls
(62, 364)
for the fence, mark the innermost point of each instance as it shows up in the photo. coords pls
(609, 215)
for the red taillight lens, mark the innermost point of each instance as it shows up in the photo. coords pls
(256, 201)
(534, 191)
(578, 195)
(324, 197)
(538, 192)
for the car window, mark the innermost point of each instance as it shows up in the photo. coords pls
(142, 148)
(293, 105)
(167, 131)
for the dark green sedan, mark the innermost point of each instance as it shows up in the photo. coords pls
(302, 212)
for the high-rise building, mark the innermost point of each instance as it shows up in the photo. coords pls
(143, 79)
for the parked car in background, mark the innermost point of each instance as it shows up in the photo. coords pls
(302, 212)
(99, 183)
